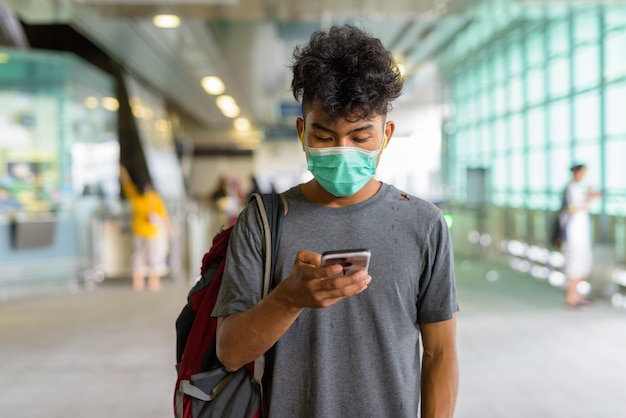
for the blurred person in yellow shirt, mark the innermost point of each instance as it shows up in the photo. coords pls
(149, 220)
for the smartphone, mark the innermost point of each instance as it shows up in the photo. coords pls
(351, 260)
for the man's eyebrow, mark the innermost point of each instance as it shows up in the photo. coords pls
(367, 127)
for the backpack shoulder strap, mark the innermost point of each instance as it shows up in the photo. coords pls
(272, 208)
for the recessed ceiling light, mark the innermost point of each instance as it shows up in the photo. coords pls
(213, 85)
(242, 124)
(166, 21)
(228, 106)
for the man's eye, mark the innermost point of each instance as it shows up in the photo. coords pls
(320, 139)
(360, 140)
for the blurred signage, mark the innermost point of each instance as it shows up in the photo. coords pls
(290, 110)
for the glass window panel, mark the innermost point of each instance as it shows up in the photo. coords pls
(485, 103)
(516, 93)
(559, 164)
(559, 77)
(538, 201)
(460, 113)
(498, 67)
(515, 58)
(537, 176)
(614, 16)
(615, 120)
(471, 80)
(500, 175)
(483, 74)
(470, 141)
(485, 139)
(586, 26)
(470, 109)
(516, 132)
(499, 100)
(589, 154)
(489, 71)
(499, 198)
(518, 172)
(587, 115)
(536, 128)
(500, 142)
(534, 49)
(460, 88)
(615, 205)
(586, 66)
(558, 39)
(615, 167)
(559, 122)
(463, 139)
(535, 89)
(516, 199)
(614, 57)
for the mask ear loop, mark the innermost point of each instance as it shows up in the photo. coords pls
(302, 139)
(384, 144)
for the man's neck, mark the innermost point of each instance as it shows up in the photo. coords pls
(315, 193)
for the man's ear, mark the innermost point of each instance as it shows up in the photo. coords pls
(300, 130)
(390, 127)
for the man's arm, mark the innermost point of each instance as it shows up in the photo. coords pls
(440, 369)
(244, 336)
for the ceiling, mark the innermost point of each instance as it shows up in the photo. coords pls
(248, 44)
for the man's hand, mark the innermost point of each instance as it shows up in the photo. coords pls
(308, 285)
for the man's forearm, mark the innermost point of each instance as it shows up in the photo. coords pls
(440, 384)
(244, 336)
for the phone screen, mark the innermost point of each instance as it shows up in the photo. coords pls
(351, 260)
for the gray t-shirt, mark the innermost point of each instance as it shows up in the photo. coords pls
(361, 356)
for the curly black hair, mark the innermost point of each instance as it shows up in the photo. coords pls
(347, 72)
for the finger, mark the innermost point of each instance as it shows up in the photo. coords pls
(309, 257)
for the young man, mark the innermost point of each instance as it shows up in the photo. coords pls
(346, 346)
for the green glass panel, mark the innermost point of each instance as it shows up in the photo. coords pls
(515, 59)
(499, 67)
(586, 66)
(499, 100)
(614, 56)
(500, 174)
(537, 175)
(516, 94)
(485, 104)
(536, 128)
(485, 139)
(559, 122)
(615, 105)
(614, 16)
(559, 163)
(518, 172)
(558, 38)
(535, 89)
(516, 130)
(587, 116)
(501, 135)
(586, 26)
(535, 49)
(559, 84)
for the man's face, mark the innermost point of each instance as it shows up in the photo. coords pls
(368, 134)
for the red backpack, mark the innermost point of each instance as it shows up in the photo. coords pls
(204, 388)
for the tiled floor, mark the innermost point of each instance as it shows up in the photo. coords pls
(110, 352)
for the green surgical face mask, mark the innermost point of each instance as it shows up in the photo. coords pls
(342, 171)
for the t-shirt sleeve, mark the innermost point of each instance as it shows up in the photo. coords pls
(242, 283)
(437, 299)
